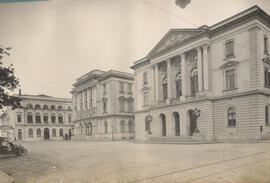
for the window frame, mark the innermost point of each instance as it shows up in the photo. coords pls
(226, 56)
(234, 68)
(145, 78)
(265, 45)
(231, 124)
(19, 117)
(145, 99)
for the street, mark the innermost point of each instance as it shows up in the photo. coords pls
(68, 161)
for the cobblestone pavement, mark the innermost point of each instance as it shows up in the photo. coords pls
(83, 162)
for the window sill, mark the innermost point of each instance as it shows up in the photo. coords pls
(231, 127)
(228, 57)
(228, 90)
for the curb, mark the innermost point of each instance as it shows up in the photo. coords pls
(5, 178)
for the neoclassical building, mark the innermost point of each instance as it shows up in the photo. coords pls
(103, 106)
(207, 83)
(40, 117)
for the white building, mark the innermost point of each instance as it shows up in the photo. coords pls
(103, 105)
(41, 117)
(207, 83)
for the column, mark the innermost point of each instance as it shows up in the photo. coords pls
(156, 84)
(152, 84)
(200, 75)
(169, 77)
(183, 74)
(206, 67)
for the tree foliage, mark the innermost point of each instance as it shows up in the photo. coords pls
(8, 82)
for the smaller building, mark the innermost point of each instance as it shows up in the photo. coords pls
(40, 117)
(103, 106)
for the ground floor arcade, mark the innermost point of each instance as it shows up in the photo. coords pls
(242, 117)
(50, 132)
(106, 128)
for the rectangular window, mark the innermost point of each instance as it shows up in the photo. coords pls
(230, 79)
(265, 45)
(145, 99)
(129, 88)
(104, 107)
(266, 77)
(229, 49)
(19, 118)
(104, 89)
(121, 87)
(122, 105)
(145, 79)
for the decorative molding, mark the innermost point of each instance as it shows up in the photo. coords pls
(266, 59)
(229, 63)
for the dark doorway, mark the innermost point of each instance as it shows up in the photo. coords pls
(19, 134)
(46, 134)
(163, 124)
(177, 123)
(193, 122)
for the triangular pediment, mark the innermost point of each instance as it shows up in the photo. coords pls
(173, 38)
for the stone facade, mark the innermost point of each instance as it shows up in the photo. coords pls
(41, 117)
(208, 83)
(103, 106)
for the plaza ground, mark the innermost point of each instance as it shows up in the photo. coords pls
(83, 162)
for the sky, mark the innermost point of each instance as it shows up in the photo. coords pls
(54, 42)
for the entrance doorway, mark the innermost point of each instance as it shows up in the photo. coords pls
(177, 123)
(163, 124)
(19, 134)
(193, 122)
(46, 134)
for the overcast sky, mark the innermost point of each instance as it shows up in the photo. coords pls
(57, 41)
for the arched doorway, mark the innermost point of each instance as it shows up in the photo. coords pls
(46, 134)
(163, 124)
(193, 121)
(176, 123)
(19, 134)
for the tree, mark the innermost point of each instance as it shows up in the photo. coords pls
(8, 82)
(182, 3)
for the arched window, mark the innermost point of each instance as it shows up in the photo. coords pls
(165, 87)
(231, 117)
(29, 117)
(29, 106)
(60, 119)
(130, 126)
(266, 116)
(105, 127)
(194, 81)
(60, 107)
(54, 132)
(37, 107)
(38, 118)
(30, 133)
(53, 118)
(38, 132)
(61, 132)
(52, 107)
(45, 118)
(45, 107)
(178, 85)
(122, 125)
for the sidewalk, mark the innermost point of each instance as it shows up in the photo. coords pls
(4, 178)
(195, 142)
